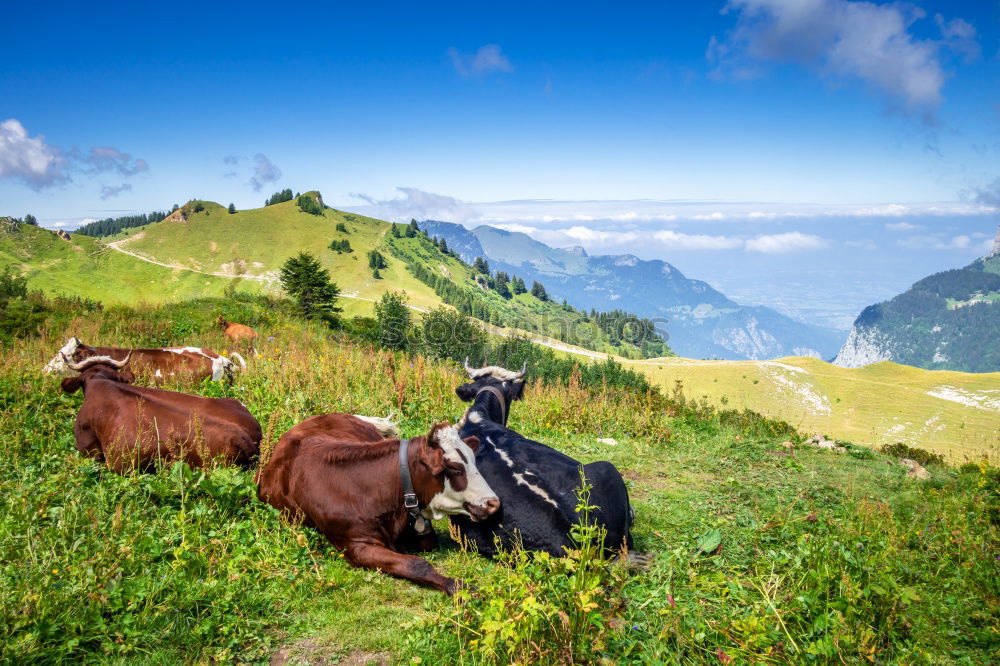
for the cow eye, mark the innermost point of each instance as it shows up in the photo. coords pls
(454, 469)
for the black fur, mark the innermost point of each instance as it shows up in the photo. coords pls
(525, 517)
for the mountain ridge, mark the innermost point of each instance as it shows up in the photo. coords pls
(946, 321)
(701, 321)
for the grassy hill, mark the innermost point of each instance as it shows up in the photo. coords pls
(201, 248)
(953, 413)
(84, 266)
(759, 556)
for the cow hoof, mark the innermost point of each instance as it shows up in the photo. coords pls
(641, 561)
(453, 586)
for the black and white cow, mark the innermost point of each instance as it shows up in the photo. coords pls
(536, 484)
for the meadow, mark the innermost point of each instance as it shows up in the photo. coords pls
(761, 554)
(955, 414)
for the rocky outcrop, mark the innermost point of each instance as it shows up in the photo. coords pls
(865, 345)
(996, 245)
(63, 235)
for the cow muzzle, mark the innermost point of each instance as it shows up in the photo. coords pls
(480, 512)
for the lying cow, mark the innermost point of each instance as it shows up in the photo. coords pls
(131, 427)
(537, 484)
(236, 332)
(374, 497)
(163, 363)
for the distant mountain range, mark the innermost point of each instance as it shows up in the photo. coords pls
(701, 321)
(947, 321)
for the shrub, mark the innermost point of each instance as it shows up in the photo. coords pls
(393, 317)
(341, 227)
(900, 450)
(447, 333)
(308, 204)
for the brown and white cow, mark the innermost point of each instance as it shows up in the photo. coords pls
(131, 427)
(236, 332)
(160, 363)
(338, 474)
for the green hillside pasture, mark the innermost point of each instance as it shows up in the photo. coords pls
(84, 267)
(810, 557)
(258, 241)
(953, 413)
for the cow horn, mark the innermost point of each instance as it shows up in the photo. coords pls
(122, 363)
(94, 360)
(524, 368)
(468, 368)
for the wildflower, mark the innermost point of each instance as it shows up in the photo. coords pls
(55, 571)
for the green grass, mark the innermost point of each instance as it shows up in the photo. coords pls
(84, 267)
(822, 558)
(874, 405)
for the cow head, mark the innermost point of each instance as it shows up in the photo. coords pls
(509, 382)
(93, 367)
(58, 365)
(453, 479)
(221, 322)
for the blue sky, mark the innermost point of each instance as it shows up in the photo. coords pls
(784, 117)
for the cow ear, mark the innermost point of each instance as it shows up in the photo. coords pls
(472, 442)
(433, 457)
(466, 392)
(71, 384)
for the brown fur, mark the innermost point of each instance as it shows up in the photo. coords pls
(236, 332)
(131, 427)
(338, 474)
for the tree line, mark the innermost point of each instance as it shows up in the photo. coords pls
(109, 226)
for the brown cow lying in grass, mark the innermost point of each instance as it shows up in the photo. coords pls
(131, 427)
(339, 475)
(236, 332)
(160, 364)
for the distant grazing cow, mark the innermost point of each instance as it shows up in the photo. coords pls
(163, 363)
(373, 497)
(236, 332)
(131, 427)
(537, 485)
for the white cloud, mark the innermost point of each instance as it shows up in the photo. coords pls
(681, 241)
(264, 171)
(518, 228)
(988, 195)
(489, 58)
(421, 205)
(845, 39)
(792, 241)
(105, 159)
(29, 159)
(709, 216)
(112, 191)
(943, 242)
(902, 226)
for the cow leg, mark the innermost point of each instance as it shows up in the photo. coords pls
(410, 567)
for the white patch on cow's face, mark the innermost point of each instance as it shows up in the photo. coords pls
(476, 493)
(57, 365)
(475, 417)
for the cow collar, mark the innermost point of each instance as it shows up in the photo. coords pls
(420, 524)
(499, 396)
